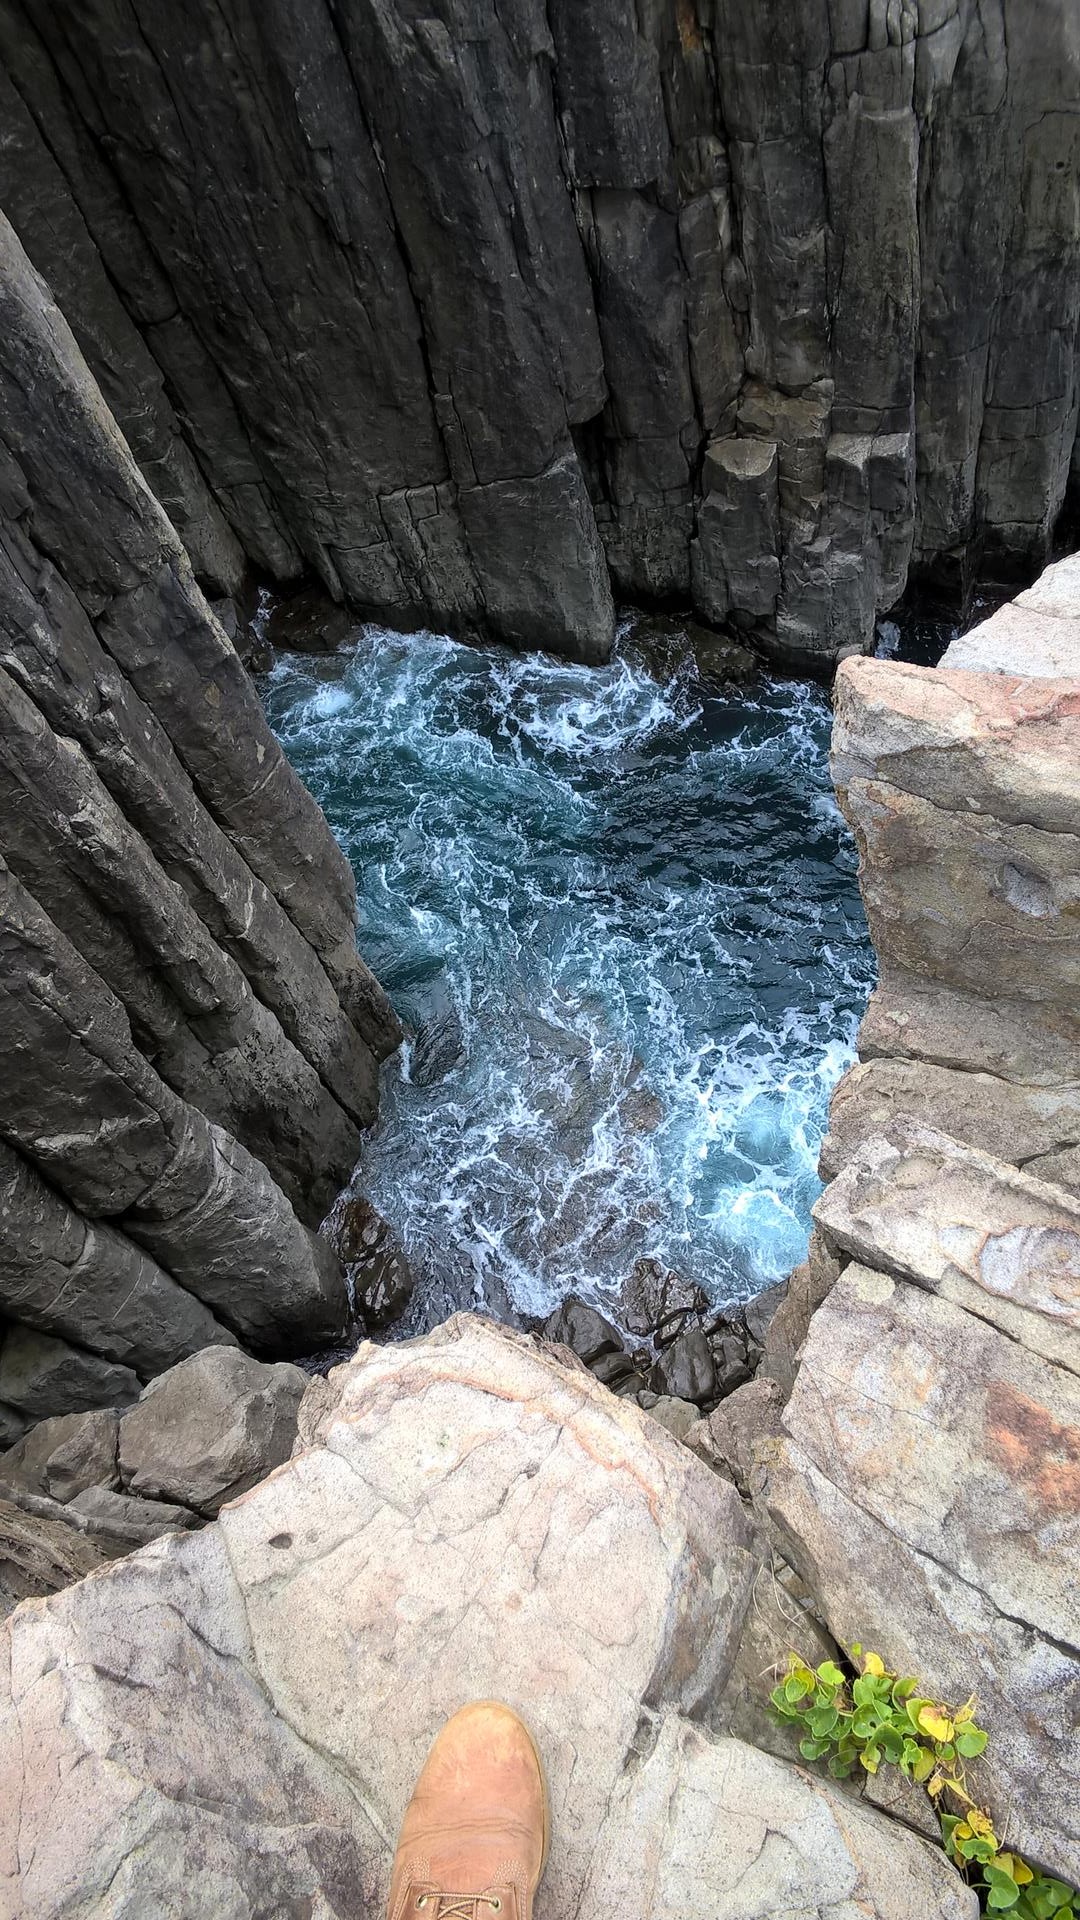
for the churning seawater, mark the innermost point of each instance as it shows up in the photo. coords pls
(622, 921)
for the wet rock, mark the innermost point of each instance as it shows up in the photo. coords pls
(655, 1298)
(615, 1370)
(731, 1361)
(307, 621)
(641, 1110)
(40, 1375)
(669, 645)
(377, 1270)
(758, 1312)
(584, 1330)
(63, 1456)
(685, 1370)
(437, 1047)
(210, 1428)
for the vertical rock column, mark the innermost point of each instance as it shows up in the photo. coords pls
(192, 1040)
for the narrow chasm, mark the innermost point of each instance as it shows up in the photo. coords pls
(617, 909)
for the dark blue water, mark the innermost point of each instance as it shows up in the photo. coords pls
(623, 919)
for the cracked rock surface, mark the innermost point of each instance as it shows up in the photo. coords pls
(240, 1714)
(924, 1475)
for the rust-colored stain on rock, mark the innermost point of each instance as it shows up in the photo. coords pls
(689, 28)
(1036, 1451)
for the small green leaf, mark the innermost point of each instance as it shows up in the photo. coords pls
(971, 1742)
(830, 1673)
(822, 1721)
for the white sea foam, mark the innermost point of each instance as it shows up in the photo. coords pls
(623, 919)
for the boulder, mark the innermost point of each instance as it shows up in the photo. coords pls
(655, 1298)
(685, 1370)
(731, 1361)
(760, 1311)
(469, 1518)
(717, 1827)
(583, 1330)
(678, 1416)
(806, 1288)
(995, 1241)
(377, 1272)
(737, 1436)
(927, 1490)
(63, 1456)
(117, 1523)
(41, 1376)
(210, 1428)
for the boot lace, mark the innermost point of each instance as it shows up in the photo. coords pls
(458, 1906)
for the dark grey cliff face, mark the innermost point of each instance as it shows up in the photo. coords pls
(190, 1038)
(480, 312)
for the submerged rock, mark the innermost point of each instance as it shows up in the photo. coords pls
(377, 1270)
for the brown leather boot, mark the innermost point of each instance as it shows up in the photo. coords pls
(474, 1839)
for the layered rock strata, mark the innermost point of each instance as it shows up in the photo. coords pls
(962, 786)
(191, 1039)
(923, 1471)
(483, 313)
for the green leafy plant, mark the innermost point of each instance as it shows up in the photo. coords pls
(871, 1716)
